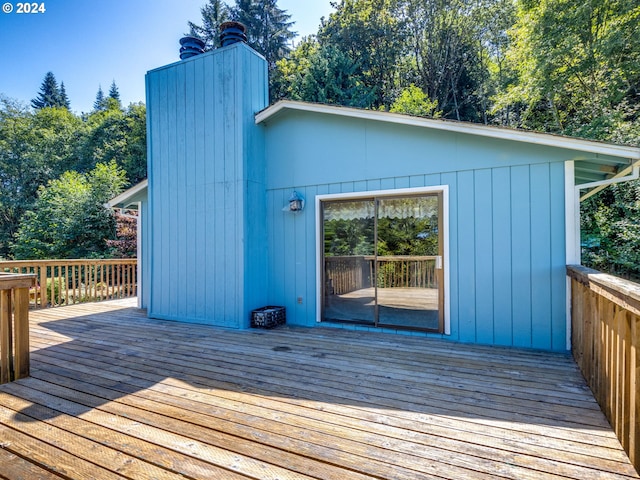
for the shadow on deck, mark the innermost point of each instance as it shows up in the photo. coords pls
(114, 394)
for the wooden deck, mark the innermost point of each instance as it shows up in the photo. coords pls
(116, 395)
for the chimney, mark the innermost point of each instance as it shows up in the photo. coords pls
(191, 46)
(232, 32)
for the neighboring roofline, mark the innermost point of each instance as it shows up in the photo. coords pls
(123, 200)
(545, 139)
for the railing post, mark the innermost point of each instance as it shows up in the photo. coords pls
(14, 326)
(21, 332)
(634, 420)
(5, 336)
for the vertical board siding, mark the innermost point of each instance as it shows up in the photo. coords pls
(483, 188)
(502, 277)
(201, 135)
(506, 252)
(466, 257)
(540, 256)
(521, 255)
(558, 259)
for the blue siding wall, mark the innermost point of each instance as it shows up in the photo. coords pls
(206, 171)
(506, 200)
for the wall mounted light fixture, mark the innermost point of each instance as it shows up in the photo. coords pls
(296, 202)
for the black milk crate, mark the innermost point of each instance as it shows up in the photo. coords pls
(268, 317)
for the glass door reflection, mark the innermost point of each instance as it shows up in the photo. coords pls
(349, 248)
(382, 260)
(408, 262)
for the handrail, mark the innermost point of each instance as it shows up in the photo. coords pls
(14, 326)
(66, 282)
(605, 320)
(347, 273)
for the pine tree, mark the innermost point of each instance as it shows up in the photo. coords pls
(100, 102)
(64, 99)
(49, 95)
(213, 14)
(268, 28)
(113, 91)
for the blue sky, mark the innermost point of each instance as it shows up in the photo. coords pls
(87, 43)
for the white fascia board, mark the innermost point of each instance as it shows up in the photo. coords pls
(544, 139)
(126, 196)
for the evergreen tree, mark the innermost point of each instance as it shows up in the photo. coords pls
(100, 103)
(213, 14)
(268, 28)
(64, 99)
(113, 91)
(49, 95)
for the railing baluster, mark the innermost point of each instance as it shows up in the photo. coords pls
(605, 319)
(66, 282)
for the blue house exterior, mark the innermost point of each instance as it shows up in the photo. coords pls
(219, 240)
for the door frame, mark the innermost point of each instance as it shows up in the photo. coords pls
(442, 189)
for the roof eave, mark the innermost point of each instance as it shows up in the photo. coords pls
(544, 139)
(126, 198)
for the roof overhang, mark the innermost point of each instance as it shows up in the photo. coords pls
(130, 198)
(603, 161)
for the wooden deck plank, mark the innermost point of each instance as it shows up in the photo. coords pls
(494, 449)
(17, 468)
(140, 459)
(281, 380)
(296, 403)
(464, 442)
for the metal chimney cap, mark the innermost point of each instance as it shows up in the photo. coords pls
(191, 46)
(193, 40)
(233, 24)
(232, 32)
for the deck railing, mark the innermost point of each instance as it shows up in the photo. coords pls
(14, 326)
(605, 319)
(348, 273)
(66, 282)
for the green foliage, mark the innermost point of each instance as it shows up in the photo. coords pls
(396, 236)
(413, 101)
(69, 219)
(576, 67)
(51, 95)
(64, 99)
(268, 28)
(114, 93)
(610, 230)
(38, 146)
(35, 147)
(57, 284)
(370, 34)
(453, 51)
(100, 102)
(116, 135)
(331, 77)
(214, 13)
(349, 237)
(286, 78)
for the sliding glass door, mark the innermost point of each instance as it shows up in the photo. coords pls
(382, 260)
(349, 250)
